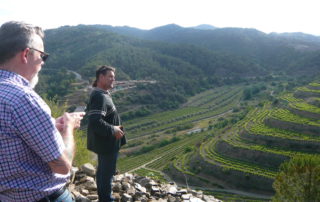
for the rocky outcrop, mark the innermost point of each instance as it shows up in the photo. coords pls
(128, 188)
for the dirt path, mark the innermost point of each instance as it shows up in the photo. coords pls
(158, 171)
(144, 165)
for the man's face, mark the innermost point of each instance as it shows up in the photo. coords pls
(34, 60)
(107, 81)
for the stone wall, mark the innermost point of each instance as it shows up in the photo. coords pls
(128, 188)
(291, 126)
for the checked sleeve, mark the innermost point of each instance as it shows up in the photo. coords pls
(32, 118)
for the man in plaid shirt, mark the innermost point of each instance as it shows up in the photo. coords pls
(36, 151)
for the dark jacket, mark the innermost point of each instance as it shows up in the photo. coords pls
(102, 116)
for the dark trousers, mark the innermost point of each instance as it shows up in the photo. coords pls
(106, 170)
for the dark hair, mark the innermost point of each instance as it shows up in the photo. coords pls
(102, 70)
(15, 37)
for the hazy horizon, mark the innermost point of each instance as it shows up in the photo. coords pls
(264, 15)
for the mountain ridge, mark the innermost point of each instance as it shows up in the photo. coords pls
(185, 61)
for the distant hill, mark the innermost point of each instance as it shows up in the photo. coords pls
(184, 61)
(204, 27)
(299, 36)
(271, 51)
(274, 51)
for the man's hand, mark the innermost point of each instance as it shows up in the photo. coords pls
(66, 124)
(59, 123)
(78, 116)
(118, 132)
(72, 120)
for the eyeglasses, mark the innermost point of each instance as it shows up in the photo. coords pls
(44, 56)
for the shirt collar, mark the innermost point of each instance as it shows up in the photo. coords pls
(4, 74)
(101, 90)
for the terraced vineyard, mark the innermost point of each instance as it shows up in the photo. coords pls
(225, 100)
(159, 158)
(153, 128)
(286, 116)
(228, 151)
(198, 113)
(253, 149)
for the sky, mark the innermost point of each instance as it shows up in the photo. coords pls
(264, 15)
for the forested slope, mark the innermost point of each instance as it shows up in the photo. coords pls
(183, 61)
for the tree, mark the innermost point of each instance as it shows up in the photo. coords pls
(247, 94)
(298, 179)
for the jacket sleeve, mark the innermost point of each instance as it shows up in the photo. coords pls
(97, 110)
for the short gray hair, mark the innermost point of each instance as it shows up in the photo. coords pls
(16, 36)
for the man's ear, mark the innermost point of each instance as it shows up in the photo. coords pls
(24, 55)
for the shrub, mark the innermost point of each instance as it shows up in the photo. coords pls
(82, 155)
(188, 149)
(298, 180)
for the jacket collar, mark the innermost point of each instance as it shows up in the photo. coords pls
(101, 90)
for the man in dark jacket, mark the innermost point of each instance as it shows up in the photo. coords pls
(105, 134)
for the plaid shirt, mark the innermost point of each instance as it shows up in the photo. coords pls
(28, 141)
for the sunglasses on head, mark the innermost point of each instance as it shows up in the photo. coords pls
(44, 56)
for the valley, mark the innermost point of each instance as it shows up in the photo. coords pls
(217, 110)
(236, 144)
(222, 143)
